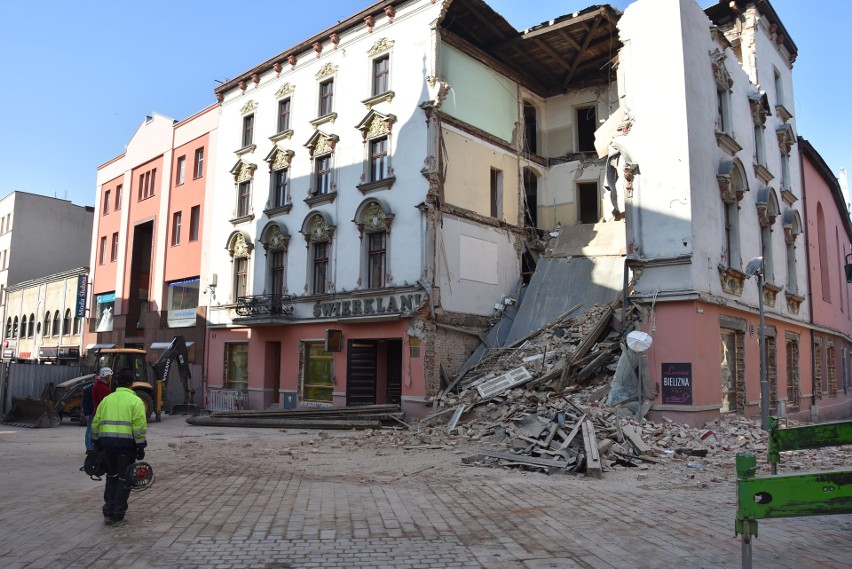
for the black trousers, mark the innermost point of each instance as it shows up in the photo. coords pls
(116, 491)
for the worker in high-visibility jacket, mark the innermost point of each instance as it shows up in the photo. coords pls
(118, 431)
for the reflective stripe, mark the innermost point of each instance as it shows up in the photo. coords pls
(116, 436)
(122, 423)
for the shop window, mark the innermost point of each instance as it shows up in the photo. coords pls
(236, 366)
(183, 302)
(318, 373)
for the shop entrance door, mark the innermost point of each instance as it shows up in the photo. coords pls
(361, 372)
(394, 358)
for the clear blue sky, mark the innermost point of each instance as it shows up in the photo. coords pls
(79, 77)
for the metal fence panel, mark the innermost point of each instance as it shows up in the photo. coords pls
(30, 380)
(175, 391)
(226, 400)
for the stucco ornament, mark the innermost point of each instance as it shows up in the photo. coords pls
(284, 90)
(249, 107)
(720, 71)
(240, 249)
(325, 145)
(326, 70)
(380, 46)
(275, 240)
(245, 172)
(282, 159)
(374, 218)
(378, 127)
(319, 230)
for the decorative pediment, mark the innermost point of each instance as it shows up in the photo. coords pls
(243, 171)
(373, 216)
(732, 182)
(239, 245)
(284, 90)
(326, 70)
(759, 104)
(318, 227)
(732, 280)
(279, 159)
(786, 138)
(720, 71)
(380, 46)
(376, 124)
(248, 108)
(791, 222)
(767, 206)
(275, 237)
(321, 143)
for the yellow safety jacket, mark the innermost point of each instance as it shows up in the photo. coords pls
(120, 419)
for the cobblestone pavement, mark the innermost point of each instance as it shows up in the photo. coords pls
(237, 508)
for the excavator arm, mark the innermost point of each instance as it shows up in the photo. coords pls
(175, 352)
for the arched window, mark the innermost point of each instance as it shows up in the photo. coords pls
(78, 323)
(56, 323)
(32, 326)
(318, 232)
(823, 255)
(66, 323)
(46, 327)
(240, 247)
(275, 238)
(24, 326)
(374, 218)
(15, 328)
(9, 327)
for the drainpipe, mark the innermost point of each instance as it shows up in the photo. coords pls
(808, 280)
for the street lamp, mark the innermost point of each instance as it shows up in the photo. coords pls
(755, 267)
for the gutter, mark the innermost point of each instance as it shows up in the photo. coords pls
(808, 279)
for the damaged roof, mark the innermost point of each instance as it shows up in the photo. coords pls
(725, 12)
(570, 51)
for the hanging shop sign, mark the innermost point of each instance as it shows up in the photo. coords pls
(677, 384)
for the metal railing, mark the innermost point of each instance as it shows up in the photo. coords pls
(266, 305)
(226, 400)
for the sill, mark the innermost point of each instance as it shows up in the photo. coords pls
(783, 113)
(380, 98)
(732, 280)
(243, 219)
(763, 174)
(198, 177)
(321, 199)
(273, 211)
(788, 196)
(329, 118)
(727, 143)
(245, 149)
(369, 187)
(284, 134)
(770, 294)
(794, 302)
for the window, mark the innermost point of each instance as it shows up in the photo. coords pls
(198, 169)
(326, 100)
(723, 110)
(318, 373)
(183, 303)
(320, 267)
(785, 171)
(106, 202)
(56, 323)
(9, 327)
(240, 276)
(530, 129)
(236, 366)
(194, 222)
(147, 181)
(24, 326)
(248, 130)
(587, 124)
(381, 70)
(283, 115)
(102, 255)
(176, 221)
(831, 376)
(113, 256)
(766, 253)
(78, 324)
(376, 257)
(15, 328)
(46, 324)
(279, 193)
(31, 326)
(792, 280)
(244, 199)
(379, 159)
(66, 322)
(779, 88)
(322, 174)
(276, 270)
(823, 255)
(793, 374)
(496, 193)
(180, 171)
(759, 154)
(588, 202)
(118, 189)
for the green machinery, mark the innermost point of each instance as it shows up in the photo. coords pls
(808, 494)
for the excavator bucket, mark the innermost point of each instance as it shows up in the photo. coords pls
(34, 413)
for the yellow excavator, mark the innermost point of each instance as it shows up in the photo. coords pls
(65, 400)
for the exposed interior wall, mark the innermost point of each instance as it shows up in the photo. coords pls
(478, 95)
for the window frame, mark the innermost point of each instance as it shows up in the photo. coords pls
(118, 191)
(113, 256)
(176, 227)
(322, 175)
(106, 204)
(319, 266)
(194, 223)
(283, 117)
(198, 167)
(380, 77)
(248, 130)
(102, 253)
(278, 272)
(180, 170)
(244, 199)
(240, 277)
(377, 259)
(326, 97)
(231, 365)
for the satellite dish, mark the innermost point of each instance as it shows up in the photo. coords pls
(639, 341)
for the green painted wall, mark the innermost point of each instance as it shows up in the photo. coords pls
(479, 95)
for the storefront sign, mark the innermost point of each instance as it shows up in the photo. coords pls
(82, 287)
(395, 304)
(677, 384)
(104, 316)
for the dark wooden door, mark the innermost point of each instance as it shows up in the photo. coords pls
(361, 373)
(394, 348)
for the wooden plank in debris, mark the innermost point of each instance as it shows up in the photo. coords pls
(454, 421)
(519, 458)
(549, 437)
(635, 439)
(550, 324)
(503, 382)
(566, 439)
(594, 366)
(593, 459)
(593, 336)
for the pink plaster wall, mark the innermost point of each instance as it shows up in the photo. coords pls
(184, 260)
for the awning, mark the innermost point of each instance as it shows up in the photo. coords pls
(100, 346)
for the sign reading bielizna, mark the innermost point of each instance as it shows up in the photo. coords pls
(677, 383)
(367, 306)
